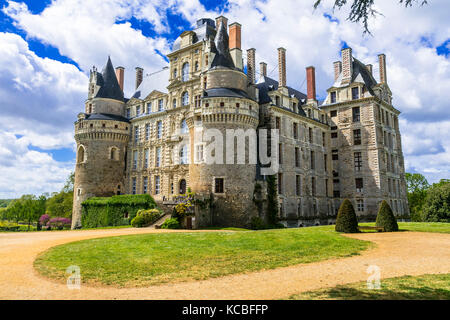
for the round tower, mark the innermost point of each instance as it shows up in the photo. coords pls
(101, 134)
(229, 113)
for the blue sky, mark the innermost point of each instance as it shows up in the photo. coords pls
(48, 47)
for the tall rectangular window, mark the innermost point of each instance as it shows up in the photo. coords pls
(355, 93)
(357, 137)
(199, 152)
(149, 107)
(310, 135)
(356, 114)
(147, 131)
(218, 185)
(280, 153)
(297, 157)
(133, 185)
(157, 185)
(325, 164)
(358, 161)
(313, 164)
(136, 134)
(298, 185)
(360, 205)
(323, 139)
(158, 157)
(294, 130)
(135, 159)
(138, 110)
(333, 96)
(326, 187)
(146, 154)
(277, 123)
(334, 155)
(145, 185)
(160, 105)
(313, 186)
(128, 113)
(280, 183)
(159, 129)
(359, 184)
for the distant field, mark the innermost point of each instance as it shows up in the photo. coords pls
(426, 287)
(440, 227)
(148, 259)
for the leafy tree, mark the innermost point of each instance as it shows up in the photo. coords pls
(362, 10)
(68, 186)
(346, 220)
(417, 186)
(437, 202)
(60, 204)
(386, 218)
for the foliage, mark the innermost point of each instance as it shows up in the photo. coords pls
(256, 223)
(113, 211)
(44, 219)
(185, 204)
(437, 203)
(9, 226)
(5, 202)
(59, 223)
(27, 208)
(386, 218)
(60, 204)
(417, 187)
(346, 220)
(145, 218)
(362, 10)
(68, 186)
(272, 200)
(171, 223)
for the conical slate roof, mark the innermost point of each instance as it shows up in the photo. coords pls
(221, 49)
(109, 85)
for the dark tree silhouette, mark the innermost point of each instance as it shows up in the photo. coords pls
(362, 10)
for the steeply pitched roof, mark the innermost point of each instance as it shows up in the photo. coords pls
(109, 85)
(221, 49)
(156, 81)
(266, 84)
(360, 74)
(225, 92)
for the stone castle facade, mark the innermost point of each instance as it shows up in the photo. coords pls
(348, 146)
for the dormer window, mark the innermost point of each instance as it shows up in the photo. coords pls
(138, 110)
(185, 72)
(355, 93)
(333, 97)
(128, 113)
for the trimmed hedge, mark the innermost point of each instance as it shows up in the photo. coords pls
(346, 220)
(386, 218)
(114, 211)
(171, 223)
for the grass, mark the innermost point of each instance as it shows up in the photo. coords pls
(426, 287)
(440, 227)
(149, 259)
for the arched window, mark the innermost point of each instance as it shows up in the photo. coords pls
(80, 154)
(185, 72)
(114, 154)
(185, 98)
(183, 154)
(183, 127)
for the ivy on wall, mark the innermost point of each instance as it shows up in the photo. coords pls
(113, 211)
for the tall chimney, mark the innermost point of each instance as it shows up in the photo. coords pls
(369, 68)
(337, 69)
(281, 67)
(139, 76)
(120, 72)
(382, 62)
(311, 83)
(263, 69)
(219, 20)
(234, 42)
(347, 65)
(251, 65)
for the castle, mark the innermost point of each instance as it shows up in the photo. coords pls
(348, 146)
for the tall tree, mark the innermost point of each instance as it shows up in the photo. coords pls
(417, 186)
(362, 10)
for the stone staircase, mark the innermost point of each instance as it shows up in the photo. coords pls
(160, 221)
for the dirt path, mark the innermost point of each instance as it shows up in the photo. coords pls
(397, 254)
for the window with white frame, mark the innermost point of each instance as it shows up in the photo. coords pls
(135, 159)
(146, 155)
(145, 185)
(183, 127)
(160, 105)
(159, 129)
(199, 153)
(360, 205)
(185, 72)
(183, 154)
(158, 157)
(149, 107)
(138, 110)
(136, 134)
(157, 185)
(185, 98)
(147, 131)
(133, 185)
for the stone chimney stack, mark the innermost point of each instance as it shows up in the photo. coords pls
(220, 20)
(281, 67)
(337, 69)
(311, 83)
(382, 62)
(263, 69)
(234, 42)
(347, 65)
(251, 65)
(120, 73)
(139, 76)
(370, 68)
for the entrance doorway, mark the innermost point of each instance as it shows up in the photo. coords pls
(182, 186)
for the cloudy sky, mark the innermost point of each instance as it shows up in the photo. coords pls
(48, 47)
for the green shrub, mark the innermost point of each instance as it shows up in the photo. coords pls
(9, 226)
(138, 222)
(437, 203)
(346, 220)
(145, 218)
(171, 223)
(114, 211)
(256, 223)
(385, 218)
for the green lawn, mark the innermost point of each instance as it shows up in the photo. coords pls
(440, 227)
(434, 286)
(147, 259)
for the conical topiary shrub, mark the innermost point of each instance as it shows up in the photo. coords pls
(385, 218)
(346, 219)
